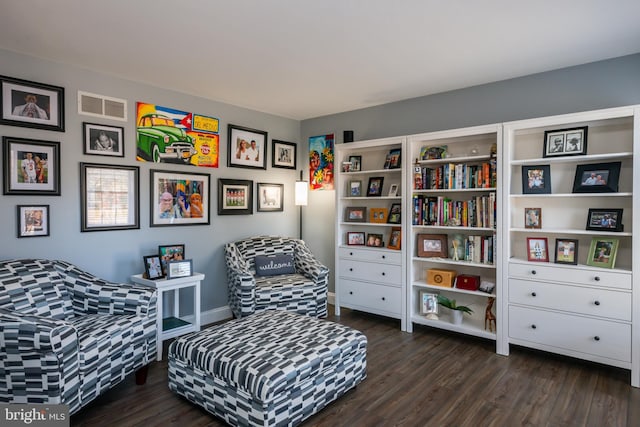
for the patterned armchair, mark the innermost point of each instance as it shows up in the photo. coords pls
(303, 291)
(67, 336)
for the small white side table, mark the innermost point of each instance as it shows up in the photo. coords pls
(173, 324)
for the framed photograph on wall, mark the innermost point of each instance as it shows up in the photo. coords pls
(597, 178)
(605, 220)
(179, 198)
(247, 148)
(283, 154)
(170, 253)
(602, 252)
(565, 142)
(270, 197)
(235, 197)
(102, 140)
(566, 251)
(152, 267)
(109, 196)
(537, 249)
(31, 167)
(33, 220)
(31, 104)
(536, 179)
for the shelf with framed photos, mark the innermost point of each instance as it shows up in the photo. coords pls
(453, 219)
(370, 256)
(570, 212)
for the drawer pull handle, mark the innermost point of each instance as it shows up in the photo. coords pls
(383, 273)
(597, 302)
(350, 292)
(597, 338)
(597, 278)
(384, 299)
(384, 256)
(534, 272)
(351, 253)
(350, 269)
(533, 294)
(533, 326)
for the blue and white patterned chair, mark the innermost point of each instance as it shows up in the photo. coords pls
(67, 336)
(303, 292)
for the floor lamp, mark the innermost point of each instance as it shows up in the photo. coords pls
(301, 197)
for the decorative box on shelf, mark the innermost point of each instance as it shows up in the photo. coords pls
(468, 282)
(441, 277)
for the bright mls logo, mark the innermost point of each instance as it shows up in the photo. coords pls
(34, 415)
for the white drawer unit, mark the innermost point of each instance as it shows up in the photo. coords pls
(584, 337)
(373, 298)
(370, 255)
(566, 274)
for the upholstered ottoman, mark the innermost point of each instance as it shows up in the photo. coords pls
(273, 368)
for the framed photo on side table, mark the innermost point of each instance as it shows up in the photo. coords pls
(31, 166)
(31, 104)
(566, 251)
(565, 142)
(177, 269)
(247, 148)
(33, 220)
(597, 178)
(102, 140)
(536, 179)
(537, 249)
(179, 198)
(283, 154)
(602, 252)
(153, 267)
(605, 220)
(170, 253)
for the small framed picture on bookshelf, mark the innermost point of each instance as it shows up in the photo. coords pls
(355, 214)
(355, 188)
(429, 304)
(597, 178)
(432, 245)
(602, 252)
(375, 240)
(532, 217)
(565, 142)
(395, 238)
(605, 220)
(395, 216)
(374, 189)
(378, 215)
(392, 160)
(536, 179)
(356, 163)
(537, 249)
(566, 251)
(355, 238)
(393, 190)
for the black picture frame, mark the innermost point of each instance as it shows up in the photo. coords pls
(152, 267)
(374, 188)
(597, 178)
(33, 220)
(356, 163)
(168, 253)
(565, 142)
(240, 148)
(566, 251)
(31, 167)
(235, 197)
(355, 238)
(536, 179)
(103, 140)
(31, 104)
(283, 154)
(395, 214)
(179, 198)
(270, 197)
(177, 269)
(605, 220)
(375, 240)
(109, 197)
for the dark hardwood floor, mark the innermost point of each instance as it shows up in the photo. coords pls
(427, 378)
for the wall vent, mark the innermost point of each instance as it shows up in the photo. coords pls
(106, 107)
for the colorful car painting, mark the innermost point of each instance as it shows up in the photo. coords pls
(160, 140)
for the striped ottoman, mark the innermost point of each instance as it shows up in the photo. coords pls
(273, 368)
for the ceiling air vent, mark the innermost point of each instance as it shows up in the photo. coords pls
(106, 107)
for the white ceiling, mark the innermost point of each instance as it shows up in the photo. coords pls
(307, 58)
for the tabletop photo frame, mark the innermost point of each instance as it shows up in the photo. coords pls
(432, 245)
(565, 142)
(153, 267)
(605, 220)
(597, 178)
(602, 252)
(177, 269)
(537, 249)
(566, 251)
(536, 179)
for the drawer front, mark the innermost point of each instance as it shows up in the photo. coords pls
(559, 273)
(378, 298)
(370, 271)
(601, 338)
(589, 301)
(392, 257)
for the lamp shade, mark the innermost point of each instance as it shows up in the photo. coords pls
(301, 193)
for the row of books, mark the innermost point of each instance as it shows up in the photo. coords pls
(480, 249)
(479, 211)
(455, 176)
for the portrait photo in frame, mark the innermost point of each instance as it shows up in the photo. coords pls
(31, 166)
(355, 188)
(356, 163)
(532, 217)
(602, 252)
(536, 179)
(597, 178)
(152, 267)
(102, 140)
(270, 197)
(566, 251)
(109, 197)
(33, 220)
(565, 142)
(432, 245)
(395, 213)
(395, 238)
(429, 304)
(283, 154)
(374, 189)
(247, 148)
(605, 220)
(168, 253)
(179, 198)
(30, 104)
(537, 249)
(235, 197)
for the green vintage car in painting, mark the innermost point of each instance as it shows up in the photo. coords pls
(160, 140)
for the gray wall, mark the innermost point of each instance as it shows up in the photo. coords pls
(592, 86)
(116, 255)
